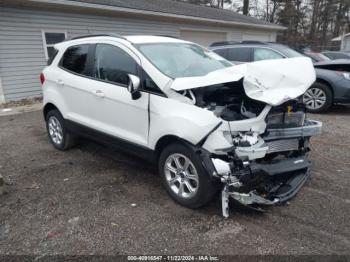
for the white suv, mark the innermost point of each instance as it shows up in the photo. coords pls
(208, 124)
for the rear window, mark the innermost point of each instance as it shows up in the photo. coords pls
(75, 59)
(239, 54)
(52, 57)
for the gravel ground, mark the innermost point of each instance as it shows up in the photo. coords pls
(93, 200)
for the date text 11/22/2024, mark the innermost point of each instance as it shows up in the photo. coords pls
(173, 258)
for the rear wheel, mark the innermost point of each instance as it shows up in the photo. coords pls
(318, 98)
(184, 176)
(60, 138)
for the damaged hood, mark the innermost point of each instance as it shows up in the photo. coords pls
(271, 81)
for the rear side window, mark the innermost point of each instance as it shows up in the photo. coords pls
(265, 54)
(52, 57)
(221, 52)
(75, 59)
(239, 54)
(337, 56)
(113, 64)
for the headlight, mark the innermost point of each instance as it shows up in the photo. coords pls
(346, 76)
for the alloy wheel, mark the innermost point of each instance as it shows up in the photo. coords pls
(314, 98)
(181, 175)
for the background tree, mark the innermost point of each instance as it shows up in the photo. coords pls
(309, 23)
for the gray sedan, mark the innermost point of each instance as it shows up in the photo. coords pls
(332, 84)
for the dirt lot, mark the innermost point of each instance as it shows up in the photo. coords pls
(83, 202)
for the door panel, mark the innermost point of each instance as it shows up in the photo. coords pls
(114, 111)
(76, 91)
(72, 83)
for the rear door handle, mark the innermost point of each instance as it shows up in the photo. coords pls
(98, 93)
(60, 82)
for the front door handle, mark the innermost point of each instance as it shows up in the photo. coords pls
(98, 93)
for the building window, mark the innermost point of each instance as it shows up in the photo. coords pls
(50, 38)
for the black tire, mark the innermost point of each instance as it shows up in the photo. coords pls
(328, 95)
(207, 188)
(68, 139)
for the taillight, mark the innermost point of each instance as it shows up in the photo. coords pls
(42, 78)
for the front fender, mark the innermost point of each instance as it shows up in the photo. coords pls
(171, 117)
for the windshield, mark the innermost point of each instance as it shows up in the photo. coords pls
(182, 59)
(288, 52)
(323, 57)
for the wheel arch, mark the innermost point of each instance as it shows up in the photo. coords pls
(49, 107)
(167, 140)
(327, 83)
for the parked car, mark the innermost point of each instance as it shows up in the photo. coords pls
(335, 85)
(317, 57)
(250, 51)
(333, 55)
(186, 109)
(329, 88)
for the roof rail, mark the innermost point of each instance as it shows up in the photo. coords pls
(170, 36)
(96, 35)
(253, 42)
(224, 43)
(237, 43)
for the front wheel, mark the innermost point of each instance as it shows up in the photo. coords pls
(184, 177)
(318, 98)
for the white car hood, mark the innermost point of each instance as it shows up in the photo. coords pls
(271, 81)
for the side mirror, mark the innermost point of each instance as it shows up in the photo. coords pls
(133, 86)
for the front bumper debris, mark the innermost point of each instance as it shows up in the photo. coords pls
(274, 178)
(275, 191)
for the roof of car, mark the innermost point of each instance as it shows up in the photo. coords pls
(182, 9)
(334, 62)
(145, 39)
(133, 39)
(333, 52)
(218, 45)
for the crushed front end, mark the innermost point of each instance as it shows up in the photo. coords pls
(270, 167)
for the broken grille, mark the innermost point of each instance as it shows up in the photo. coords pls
(282, 145)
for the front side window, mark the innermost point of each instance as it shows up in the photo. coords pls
(113, 64)
(182, 59)
(75, 59)
(265, 54)
(50, 39)
(239, 54)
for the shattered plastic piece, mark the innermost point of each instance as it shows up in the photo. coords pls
(33, 186)
(225, 202)
(2, 184)
(133, 205)
(73, 220)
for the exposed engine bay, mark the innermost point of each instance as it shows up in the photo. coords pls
(227, 101)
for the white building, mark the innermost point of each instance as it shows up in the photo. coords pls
(30, 28)
(344, 42)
